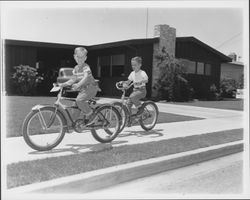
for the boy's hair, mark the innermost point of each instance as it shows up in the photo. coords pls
(137, 59)
(82, 50)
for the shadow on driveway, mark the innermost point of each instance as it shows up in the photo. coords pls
(76, 148)
(154, 133)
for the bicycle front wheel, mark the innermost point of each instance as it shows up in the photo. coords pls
(43, 129)
(122, 109)
(107, 124)
(149, 116)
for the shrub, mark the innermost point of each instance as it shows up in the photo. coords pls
(240, 84)
(214, 93)
(228, 87)
(171, 84)
(25, 79)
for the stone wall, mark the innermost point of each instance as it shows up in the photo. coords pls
(167, 39)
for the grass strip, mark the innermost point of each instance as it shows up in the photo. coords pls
(231, 104)
(28, 172)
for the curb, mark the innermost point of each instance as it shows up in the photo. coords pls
(94, 180)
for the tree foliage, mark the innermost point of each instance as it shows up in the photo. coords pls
(172, 84)
(25, 80)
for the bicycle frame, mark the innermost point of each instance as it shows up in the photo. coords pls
(59, 106)
(123, 98)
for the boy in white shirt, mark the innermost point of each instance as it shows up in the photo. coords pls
(139, 78)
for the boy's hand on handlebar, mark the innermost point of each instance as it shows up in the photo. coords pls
(75, 87)
(125, 85)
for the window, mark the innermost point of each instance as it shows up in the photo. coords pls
(111, 66)
(208, 69)
(188, 66)
(104, 63)
(118, 62)
(200, 68)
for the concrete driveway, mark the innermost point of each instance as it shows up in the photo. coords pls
(16, 150)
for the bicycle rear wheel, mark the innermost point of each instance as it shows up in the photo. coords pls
(149, 116)
(44, 129)
(107, 124)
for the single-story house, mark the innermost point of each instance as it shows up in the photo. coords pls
(110, 62)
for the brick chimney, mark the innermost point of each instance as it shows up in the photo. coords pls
(233, 56)
(167, 38)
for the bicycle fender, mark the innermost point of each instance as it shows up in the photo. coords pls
(38, 107)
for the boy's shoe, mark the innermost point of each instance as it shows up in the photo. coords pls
(90, 120)
(140, 111)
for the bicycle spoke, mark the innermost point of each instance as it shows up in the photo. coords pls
(41, 137)
(110, 125)
(42, 121)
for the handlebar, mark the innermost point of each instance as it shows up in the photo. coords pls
(57, 87)
(119, 85)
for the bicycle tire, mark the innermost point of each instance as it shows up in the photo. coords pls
(112, 136)
(27, 137)
(141, 121)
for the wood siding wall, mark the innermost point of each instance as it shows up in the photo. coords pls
(194, 52)
(107, 84)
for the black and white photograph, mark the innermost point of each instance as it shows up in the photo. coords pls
(125, 99)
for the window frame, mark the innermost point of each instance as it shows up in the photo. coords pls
(110, 57)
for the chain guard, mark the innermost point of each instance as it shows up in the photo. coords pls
(79, 125)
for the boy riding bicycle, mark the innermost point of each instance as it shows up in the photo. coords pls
(139, 79)
(83, 82)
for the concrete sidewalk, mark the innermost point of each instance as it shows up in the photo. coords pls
(215, 120)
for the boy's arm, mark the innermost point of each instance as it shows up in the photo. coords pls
(69, 82)
(128, 82)
(130, 79)
(145, 78)
(84, 80)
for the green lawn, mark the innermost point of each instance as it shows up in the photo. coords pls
(19, 106)
(232, 104)
(28, 172)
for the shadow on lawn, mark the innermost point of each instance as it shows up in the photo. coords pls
(154, 133)
(76, 148)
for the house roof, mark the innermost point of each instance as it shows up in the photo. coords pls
(223, 57)
(39, 44)
(124, 43)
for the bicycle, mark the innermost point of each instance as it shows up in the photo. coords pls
(150, 110)
(45, 126)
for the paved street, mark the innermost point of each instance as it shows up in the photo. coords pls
(219, 176)
(214, 120)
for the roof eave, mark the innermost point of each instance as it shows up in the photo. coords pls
(123, 43)
(223, 57)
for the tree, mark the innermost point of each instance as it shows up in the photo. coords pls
(171, 84)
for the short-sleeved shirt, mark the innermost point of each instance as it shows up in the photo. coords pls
(138, 77)
(79, 73)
